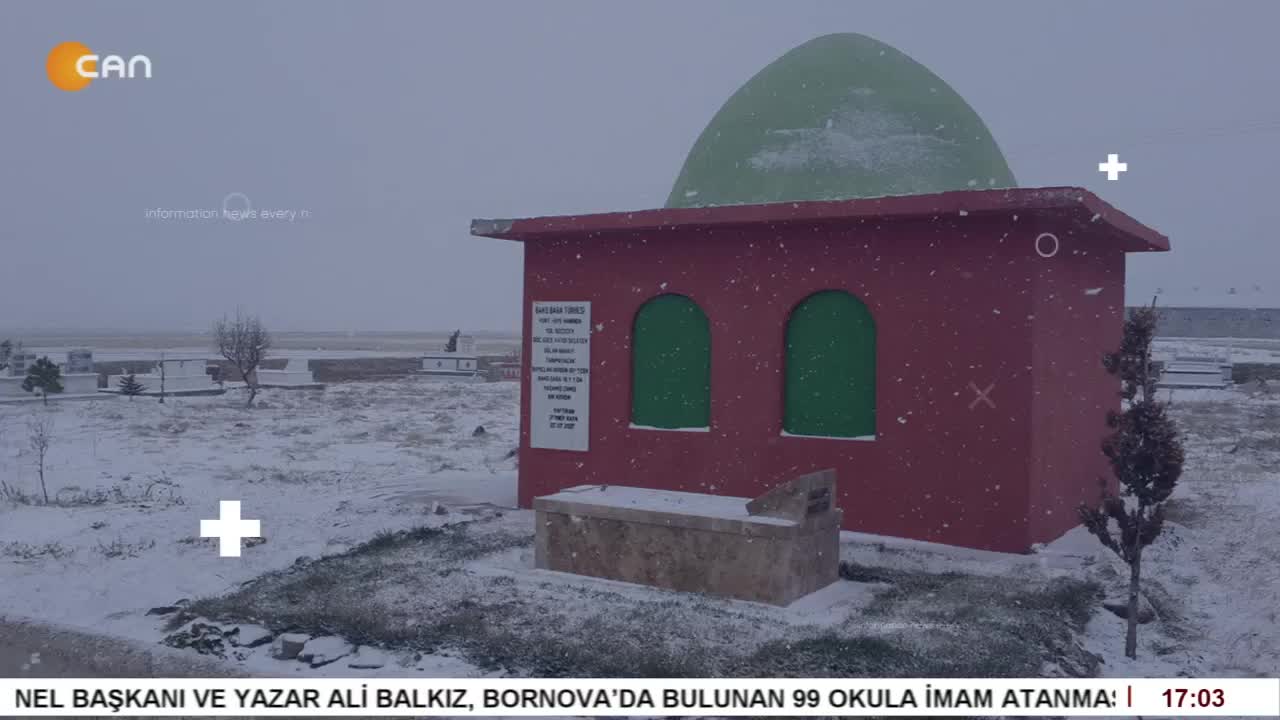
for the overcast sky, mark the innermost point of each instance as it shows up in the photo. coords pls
(395, 123)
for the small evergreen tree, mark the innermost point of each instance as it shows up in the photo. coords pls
(452, 345)
(1146, 457)
(45, 376)
(6, 349)
(130, 386)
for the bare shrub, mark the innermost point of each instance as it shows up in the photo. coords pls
(244, 342)
(26, 551)
(118, 548)
(294, 476)
(40, 437)
(15, 495)
(161, 491)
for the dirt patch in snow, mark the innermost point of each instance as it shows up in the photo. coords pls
(443, 590)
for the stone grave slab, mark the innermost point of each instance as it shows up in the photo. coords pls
(295, 375)
(775, 549)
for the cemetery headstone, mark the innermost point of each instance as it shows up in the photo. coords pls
(296, 374)
(19, 362)
(805, 497)
(79, 377)
(79, 361)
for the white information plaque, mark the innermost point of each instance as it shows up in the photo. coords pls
(560, 373)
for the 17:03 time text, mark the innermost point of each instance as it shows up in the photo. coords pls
(1182, 697)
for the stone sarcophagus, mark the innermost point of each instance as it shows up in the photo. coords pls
(774, 549)
(296, 374)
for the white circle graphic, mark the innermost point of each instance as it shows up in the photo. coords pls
(236, 215)
(1056, 245)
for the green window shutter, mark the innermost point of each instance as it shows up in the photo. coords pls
(671, 364)
(830, 367)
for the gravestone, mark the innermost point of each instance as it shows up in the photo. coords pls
(504, 372)
(806, 496)
(295, 375)
(181, 377)
(11, 377)
(79, 361)
(460, 364)
(774, 549)
(78, 376)
(1190, 371)
(20, 362)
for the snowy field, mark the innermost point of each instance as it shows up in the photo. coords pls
(1239, 350)
(388, 523)
(323, 470)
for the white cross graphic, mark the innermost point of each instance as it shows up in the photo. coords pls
(1113, 167)
(981, 395)
(230, 529)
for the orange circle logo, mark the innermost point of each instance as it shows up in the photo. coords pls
(63, 66)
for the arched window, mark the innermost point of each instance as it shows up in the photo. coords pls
(830, 368)
(671, 365)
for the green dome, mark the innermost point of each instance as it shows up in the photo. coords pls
(841, 116)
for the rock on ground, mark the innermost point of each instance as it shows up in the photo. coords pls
(324, 650)
(1119, 605)
(249, 636)
(368, 658)
(287, 646)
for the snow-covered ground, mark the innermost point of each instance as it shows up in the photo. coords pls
(1239, 350)
(1214, 574)
(324, 471)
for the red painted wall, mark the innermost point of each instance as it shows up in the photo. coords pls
(956, 300)
(1079, 309)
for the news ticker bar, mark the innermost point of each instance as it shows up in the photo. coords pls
(601, 698)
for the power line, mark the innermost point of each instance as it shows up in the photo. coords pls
(1255, 127)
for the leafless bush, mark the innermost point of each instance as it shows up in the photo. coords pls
(26, 551)
(118, 548)
(294, 476)
(40, 437)
(244, 342)
(161, 491)
(14, 495)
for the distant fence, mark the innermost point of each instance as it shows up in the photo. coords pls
(1195, 322)
(324, 371)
